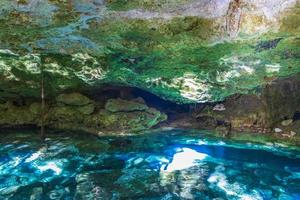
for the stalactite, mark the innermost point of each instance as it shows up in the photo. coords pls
(233, 19)
(43, 104)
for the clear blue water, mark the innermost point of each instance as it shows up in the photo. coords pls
(164, 165)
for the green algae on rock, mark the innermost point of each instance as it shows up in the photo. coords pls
(73, 99)
(119, 105)
(180, 52)
(75, 111)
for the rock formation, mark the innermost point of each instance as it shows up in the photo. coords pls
(183, 51)
(77, 112)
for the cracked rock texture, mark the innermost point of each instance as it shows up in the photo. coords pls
(75, 111)
(185, 51)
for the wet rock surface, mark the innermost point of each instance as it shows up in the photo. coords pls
(76, 111)
(238, 59)
(73, 99)
(119, 105)
(273, 107)
(185, 51)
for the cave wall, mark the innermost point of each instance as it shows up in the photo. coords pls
(273, 107)
(184, 51)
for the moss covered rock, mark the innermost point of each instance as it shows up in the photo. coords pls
(181, 50)
(127, 115)
(83, 117)
(73, 99)
(86, 109)
(35, 108)
(12, 115)
(119, 105)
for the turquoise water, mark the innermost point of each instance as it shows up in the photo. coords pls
(172, 164)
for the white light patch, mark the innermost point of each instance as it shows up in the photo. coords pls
(191, 87)
(247, 69)
(184, 159)
(50, 166)
(33, 157)
(91, 69)
(8, 52)
(234, 190)
(202, 142)
(219, 107)
(16, 161)
(226, 76)
(273, 68)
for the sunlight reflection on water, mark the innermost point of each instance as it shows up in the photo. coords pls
(161, 166)
(183, 159)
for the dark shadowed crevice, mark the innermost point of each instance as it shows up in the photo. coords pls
(101, 95)
(296, 116)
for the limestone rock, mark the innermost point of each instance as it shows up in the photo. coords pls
(64, 114)
(223, 131)
(219, 107)
(120, 105)
(4, 106)
(86, 109)
(17, 115)
(257, 112)
(73, 99)
(139, 100)
(293, 133)
(278, 130)
(130, 121)
(136, 117)
(155, 46)
(241, 111)
(287, 122)
(35, 108)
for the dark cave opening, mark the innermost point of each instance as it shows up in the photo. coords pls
(159, 103)
(296, 116)
(128, 93)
